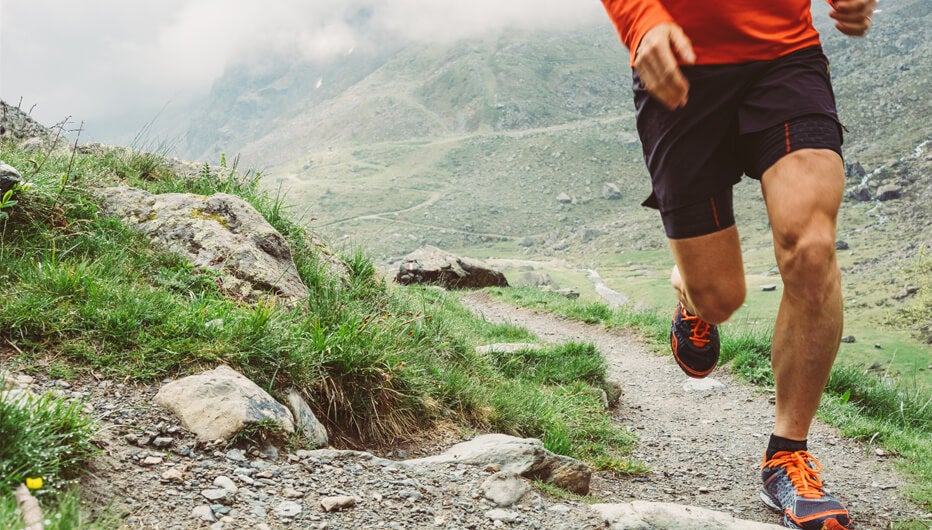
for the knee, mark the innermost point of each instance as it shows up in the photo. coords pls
(807, 263)
(716, 303)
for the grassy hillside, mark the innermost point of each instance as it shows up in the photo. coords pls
(468, 145)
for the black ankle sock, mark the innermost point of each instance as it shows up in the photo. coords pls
(778, 444)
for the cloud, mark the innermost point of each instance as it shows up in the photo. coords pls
(113, 59)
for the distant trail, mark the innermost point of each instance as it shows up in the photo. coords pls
(704, 447)
(431, 200)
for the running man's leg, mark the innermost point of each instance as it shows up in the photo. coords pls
(803, 192)
(709, 274)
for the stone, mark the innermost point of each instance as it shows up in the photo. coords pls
(430, 265)
(291, 493)
(505, 516)
(525, 457)
(337, 503)
(288, 509)
(888, 192)
(504, 489)
(706, 384)
(564, 198)
(906, 292)
(848, 339)
(33, 144)
(173, 475)
(163, 441)
(203, 513)
(152, 460)
(9, 177)
(842, 245)
(610, 191)
(217, 495)
(221, 232)
(226, 483)
(307, 422)
(219, 403)
(860, 194)
(643, 515)
(768, 288)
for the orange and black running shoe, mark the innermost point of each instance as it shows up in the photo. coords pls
(792, 486)
(694, 342)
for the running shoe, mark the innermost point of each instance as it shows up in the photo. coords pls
(792, 486)
(694, 342)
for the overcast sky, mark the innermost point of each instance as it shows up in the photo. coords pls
(95, 60)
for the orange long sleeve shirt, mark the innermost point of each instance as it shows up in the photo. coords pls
(721, 31)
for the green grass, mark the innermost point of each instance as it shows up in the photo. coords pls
(44, 438)
(864, 406)
(83, 293)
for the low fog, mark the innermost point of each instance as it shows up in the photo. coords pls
(115, 65)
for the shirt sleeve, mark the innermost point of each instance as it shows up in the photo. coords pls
(634, 18)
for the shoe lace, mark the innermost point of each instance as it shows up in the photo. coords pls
(805, 477)
(700, 328)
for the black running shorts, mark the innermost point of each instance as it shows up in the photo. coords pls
(740, 120)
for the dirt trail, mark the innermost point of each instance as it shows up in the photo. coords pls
(704, 447)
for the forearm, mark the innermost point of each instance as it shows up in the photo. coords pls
(634, 18)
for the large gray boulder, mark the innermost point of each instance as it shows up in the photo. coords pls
(220, 232)
(430, 265)
(218, 403)
(525, 457)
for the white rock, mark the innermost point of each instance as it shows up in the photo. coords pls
(218, 403)
(504, 489)
(642, 515)
(288, 509)
(226, 483)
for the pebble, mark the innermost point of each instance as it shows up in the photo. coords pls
(505, 516)
(226, 483)
(292, 493)
(152, 460)
(173, 475)
(163, 441)
(333, 504)
(288, 509)
(203, 513)
(216, 495)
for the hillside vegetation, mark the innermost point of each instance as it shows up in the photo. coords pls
(467, 146)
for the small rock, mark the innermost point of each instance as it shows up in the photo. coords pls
(216, 495)
(505, 516)
(203, 513)
(163, 441)
(492, 468)
(226, 483)
(504, 489)
(768, 288)
(152, 460)
(707, 384)
(332, 504)
(173, 475)
(841, 245)
(288, 509)
(849, 339)
(291, 493)
(236, 455)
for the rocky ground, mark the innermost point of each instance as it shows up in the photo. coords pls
(703, 444)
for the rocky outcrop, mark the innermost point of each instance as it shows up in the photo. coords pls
(432, 266)
(221, 232)
(19, 126)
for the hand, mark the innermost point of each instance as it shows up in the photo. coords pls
(853, 17)
(657, 61)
